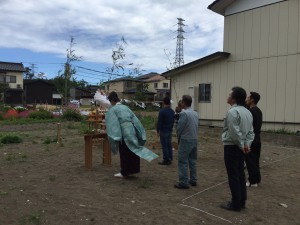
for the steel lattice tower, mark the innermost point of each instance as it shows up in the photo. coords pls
(179, 47)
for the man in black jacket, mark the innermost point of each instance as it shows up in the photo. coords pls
(164, 131)
(252, 158)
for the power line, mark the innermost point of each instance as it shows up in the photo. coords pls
(43, 63)
(80, 71)
(86, 76)
(114, 74)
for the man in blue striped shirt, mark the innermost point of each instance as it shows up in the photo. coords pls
(237, 136)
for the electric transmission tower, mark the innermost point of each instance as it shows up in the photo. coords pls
(179, 47)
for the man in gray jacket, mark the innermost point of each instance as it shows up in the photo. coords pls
(237, 136)
(187, 132)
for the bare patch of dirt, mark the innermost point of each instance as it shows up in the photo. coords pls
(47, 184)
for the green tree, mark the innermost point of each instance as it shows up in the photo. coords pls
(59, 83)
(28, 74)
(119, 65)
(141, 90)
(81, 83)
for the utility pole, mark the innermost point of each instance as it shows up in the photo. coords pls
(179, 47)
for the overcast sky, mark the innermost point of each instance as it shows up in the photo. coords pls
(38, 31)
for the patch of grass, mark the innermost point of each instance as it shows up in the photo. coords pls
(31, 219)
(52, 178)
(11, 157)
(3, 193)
(41, 114)
(23, 156)
(149, 122)
(72, 115)
(49, 140)
(22, 121)
(83, 128)
(280, 131)
(10, 138)
(34, 142)
(72, 126)
(146, 183)
(14, 156)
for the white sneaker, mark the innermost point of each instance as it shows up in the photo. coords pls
(118, 175)
(251, 185)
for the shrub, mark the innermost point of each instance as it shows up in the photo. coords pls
(41, 114)
(9, 139)
(11, 114)
(24, 114)
(149, 122)
(71, 113)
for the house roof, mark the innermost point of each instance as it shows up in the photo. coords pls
(87, 90)
(219, 6)
(32, 81)
(10, 66)
(128, 78)
(199, 62)
(147, 76)
(154, 78)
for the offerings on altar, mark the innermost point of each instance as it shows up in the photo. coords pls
(97, 117)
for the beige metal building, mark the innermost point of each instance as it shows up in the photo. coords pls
(261, 53)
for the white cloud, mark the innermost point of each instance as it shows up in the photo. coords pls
(148, 26)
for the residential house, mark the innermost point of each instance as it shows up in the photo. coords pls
(39, 91)
(84, 95)
(11, 80)
(94, 88)
(126, 88)
(261, 53)
(121, 86)
(159, 85)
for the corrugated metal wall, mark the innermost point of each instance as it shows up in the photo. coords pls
(265, 57)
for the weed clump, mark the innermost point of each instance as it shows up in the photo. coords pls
(41, 114)
(10, 139)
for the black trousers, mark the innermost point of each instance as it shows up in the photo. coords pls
(130, 162)
(234, 162)
(252, 163)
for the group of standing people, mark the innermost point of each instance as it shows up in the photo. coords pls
(240, 137)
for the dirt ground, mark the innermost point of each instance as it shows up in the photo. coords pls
(44, 183)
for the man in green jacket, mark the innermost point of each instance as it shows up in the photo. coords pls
(237, 136)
